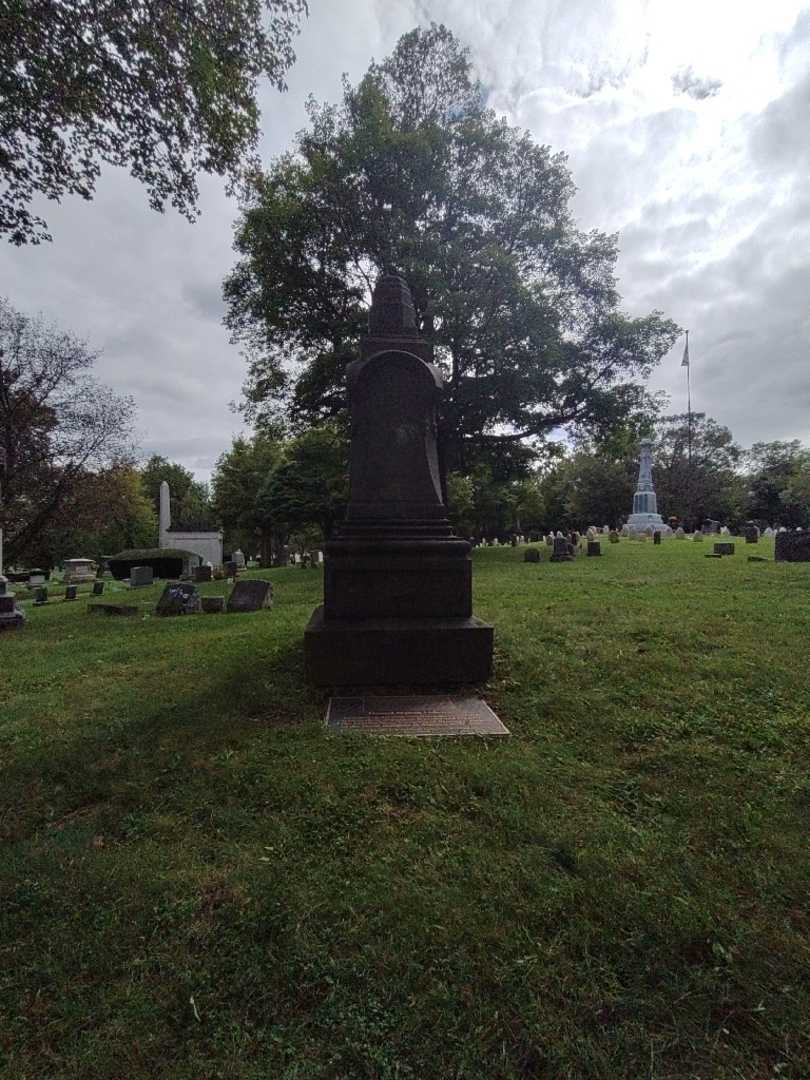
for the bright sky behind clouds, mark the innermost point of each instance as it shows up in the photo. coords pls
(687, 127)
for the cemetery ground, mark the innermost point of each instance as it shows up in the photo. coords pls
(197, 880)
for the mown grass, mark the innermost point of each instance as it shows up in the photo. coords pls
(197, 880)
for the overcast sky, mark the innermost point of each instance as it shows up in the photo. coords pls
(687, 127)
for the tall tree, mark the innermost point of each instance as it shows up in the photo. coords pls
(240, 474)
(107, 511)
(164, 89)
(310, 484)
(190, 498)
(710, 486)
(412, 170)
(56, 424)
(778, 483)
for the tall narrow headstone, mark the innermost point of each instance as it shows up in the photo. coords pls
(397, 581)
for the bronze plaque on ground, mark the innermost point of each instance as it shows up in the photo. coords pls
(419, 714)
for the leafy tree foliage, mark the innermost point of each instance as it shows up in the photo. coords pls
(778, 483)
(240, 474)
(710, 486)
(412, 170)
(190, 499)
(310, 484)
(107, 512)
(57, 424)
(164, 89)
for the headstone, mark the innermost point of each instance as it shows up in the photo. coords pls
(625, 530)
(725, 531)
(112, 609)
(594, 547)
(70, 592)
(591, 532)
(98, 588)
(140, 576)
(792, 547)
(751, 533)
(239, 559)
(397, 580)
(11, 617)
(231, 569)
(562, 550)
(317, 558)
(711, 527)
(574, 538)
(36, 579)
(605, 530)
(697, 536)
(531, 555)
(41, 595)
(250, 594)
(213, 605)
(550, 541)
(78, 570)
(657, 536)
(680, 533)
(769, 533)
(613, 536)
(724, 549)
(203, 574)
(179, 598)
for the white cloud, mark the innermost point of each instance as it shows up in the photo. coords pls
(707, 192)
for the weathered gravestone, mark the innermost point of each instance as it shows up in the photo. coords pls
(250, 594)
(203, 574)
(751, 533)
(231, 569)
(563, 550)
(680, 533)
(657, 537)
(140, 576)
(179, 598)
(41, 595)
(613, 536)
(70, 592)
(11, 617)
(98, 588)
(397, 581)
(213, 605)
(531, 555)
(724, 548)
(792, 547)
(594, 547)
(697, 536)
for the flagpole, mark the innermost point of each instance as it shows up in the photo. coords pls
(689, 399)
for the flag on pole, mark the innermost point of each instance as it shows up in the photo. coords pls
(685, 361)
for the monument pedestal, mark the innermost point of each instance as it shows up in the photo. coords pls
(395, 651)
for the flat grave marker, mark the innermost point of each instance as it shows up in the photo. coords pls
(414, 715)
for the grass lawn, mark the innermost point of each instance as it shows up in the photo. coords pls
(197, 881)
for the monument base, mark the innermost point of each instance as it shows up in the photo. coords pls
(397, 652)
(640, 523)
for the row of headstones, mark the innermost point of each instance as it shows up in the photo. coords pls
(284, 557)
(182, 598)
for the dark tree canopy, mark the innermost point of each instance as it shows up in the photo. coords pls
(412, 171)
(164, 89)
(56, 424)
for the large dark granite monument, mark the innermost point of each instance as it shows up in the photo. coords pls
(397, 582)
